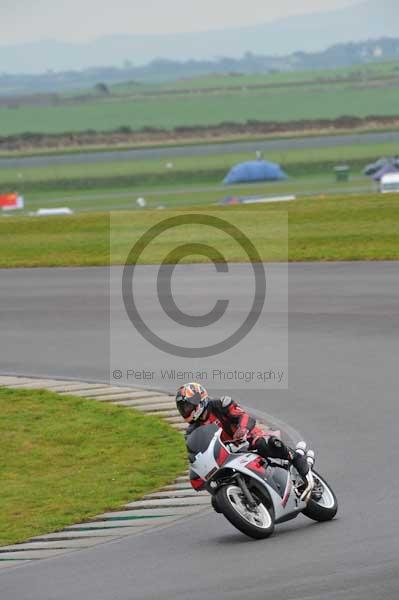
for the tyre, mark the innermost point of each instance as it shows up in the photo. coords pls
(323, 504)
(257, 524)
(215, 505)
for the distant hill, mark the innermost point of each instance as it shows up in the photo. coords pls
(307, 33)
(167, 71)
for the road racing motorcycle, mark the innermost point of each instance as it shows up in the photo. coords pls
(254, 493)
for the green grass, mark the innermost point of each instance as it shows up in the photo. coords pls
(65, 459)
(188, 194)
(361, 90)
(362, 227)
(191, 181)
(282, 104)
(368, 72)
(186, 169)
(344, 228)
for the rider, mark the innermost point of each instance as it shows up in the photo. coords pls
(196, 408)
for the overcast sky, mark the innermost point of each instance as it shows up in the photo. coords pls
(80, 20)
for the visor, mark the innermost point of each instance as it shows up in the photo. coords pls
(186, 407)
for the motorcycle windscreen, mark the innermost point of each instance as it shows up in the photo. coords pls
(200, 439)
(275, 426)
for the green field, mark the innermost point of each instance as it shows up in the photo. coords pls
(368, 72)
(198, 109)
(360, 227)
(187, 195)
(190, 180)
(66, 459)
(276, 104)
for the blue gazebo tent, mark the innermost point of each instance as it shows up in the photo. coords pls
(255, 170)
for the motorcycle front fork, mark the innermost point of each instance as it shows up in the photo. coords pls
(250, 500)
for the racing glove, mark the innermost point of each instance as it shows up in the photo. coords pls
(241, 434)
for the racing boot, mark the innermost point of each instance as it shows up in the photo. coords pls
(302, 462)
(299, 460)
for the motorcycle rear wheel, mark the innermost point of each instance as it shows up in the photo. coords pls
(324, 509)
(257, 524)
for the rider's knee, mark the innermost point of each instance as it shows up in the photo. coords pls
(271, 447)
(261, 447)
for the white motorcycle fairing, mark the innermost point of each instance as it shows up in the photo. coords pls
(216, 460)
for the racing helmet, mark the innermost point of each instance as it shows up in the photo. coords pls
(191, 401)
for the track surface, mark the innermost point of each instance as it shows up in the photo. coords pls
(201, 150)
(344, 334)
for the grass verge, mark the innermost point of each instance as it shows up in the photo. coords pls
(360, 227)
(186, 170)
(191, 194)
(66, 459)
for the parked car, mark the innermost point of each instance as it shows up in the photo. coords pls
(379, 164)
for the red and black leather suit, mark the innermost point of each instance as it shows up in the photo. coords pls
(237, 424)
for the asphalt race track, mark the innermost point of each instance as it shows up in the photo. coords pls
(328, 141)
(344, 336)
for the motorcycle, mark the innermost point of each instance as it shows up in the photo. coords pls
(254, 493)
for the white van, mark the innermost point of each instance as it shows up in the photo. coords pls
(389, 183)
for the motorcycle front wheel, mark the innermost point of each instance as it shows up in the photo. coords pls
(323, 504)
(256, 523)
